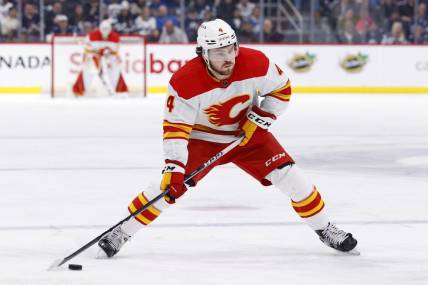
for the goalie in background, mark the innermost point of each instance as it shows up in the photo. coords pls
(101, 58)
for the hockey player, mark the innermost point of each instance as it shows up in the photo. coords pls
(210, 100)
(101, 56)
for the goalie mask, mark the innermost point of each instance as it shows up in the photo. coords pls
(105, 28)
(215, 34)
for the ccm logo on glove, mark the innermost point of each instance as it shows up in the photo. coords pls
(259, 121)
(255, 125)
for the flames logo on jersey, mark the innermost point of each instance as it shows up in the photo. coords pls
(220, 114)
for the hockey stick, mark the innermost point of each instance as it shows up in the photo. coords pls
(59, 262)
(106, 84)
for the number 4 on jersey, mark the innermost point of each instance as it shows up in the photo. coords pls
(170, 103)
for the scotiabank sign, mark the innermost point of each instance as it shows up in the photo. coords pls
(129, 63)
(312, 67)
(164, 60)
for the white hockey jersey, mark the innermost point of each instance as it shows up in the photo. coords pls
(199, 106)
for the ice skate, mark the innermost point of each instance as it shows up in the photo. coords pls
(338, 239)
(113, 241)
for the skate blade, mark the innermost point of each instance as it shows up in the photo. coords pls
(354, 252)
(101, 254)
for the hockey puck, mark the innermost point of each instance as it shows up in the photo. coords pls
(75, 267)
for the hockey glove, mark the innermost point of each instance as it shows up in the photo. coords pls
(173, 179)
(255, 124)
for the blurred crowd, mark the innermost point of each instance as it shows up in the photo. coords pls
(335, 21)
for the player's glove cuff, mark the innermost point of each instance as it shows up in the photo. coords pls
(261, 118)
(173, 179)
(257, 121)
(173, 166)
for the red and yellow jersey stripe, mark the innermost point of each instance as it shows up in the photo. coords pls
(176, 130)
(203, 128)
(283, 93)
(310, 206)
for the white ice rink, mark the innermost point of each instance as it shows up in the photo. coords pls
(69, 168)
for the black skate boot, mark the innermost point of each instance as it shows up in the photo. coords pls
(113, 241)
(337, 239)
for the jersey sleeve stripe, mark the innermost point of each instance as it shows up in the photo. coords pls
(283, 93)
(175, 129)
(185, 127)
(285, 98)
(176, 135)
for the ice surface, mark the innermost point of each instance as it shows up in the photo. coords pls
(68, 169)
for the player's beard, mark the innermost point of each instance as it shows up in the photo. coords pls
(226, 68)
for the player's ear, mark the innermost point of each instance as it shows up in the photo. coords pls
(236, 49)
(199, 50)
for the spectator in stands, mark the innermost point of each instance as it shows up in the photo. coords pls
(114, 8)
(192, 24)
(339, 13)
(224, 10)
(138, 6)
(422, 18)
(145, 23)
(162, 17)
(387, 8)
(374, 35)
(30, 23)
(236, 20)
(245, 33)
(154, 36)
(93, 12)
(5, 6)
(54, 10)
(419, 35)
(256, 20)
(396, 36)
(155, 5)
(125, 22)
(406, 8)
(348, 17)
(77, 20)
(270, 35)
(201, 6)
(207, 16)
(172, 34)
(61, 25)
(364, 22)
(349, 35)
(10, 25)
(174, 7)
(245, 8)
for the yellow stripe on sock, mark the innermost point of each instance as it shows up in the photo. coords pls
(152, 209)
(306, 201)
(311, 212)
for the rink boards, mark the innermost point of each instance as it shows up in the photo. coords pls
(312, 68)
